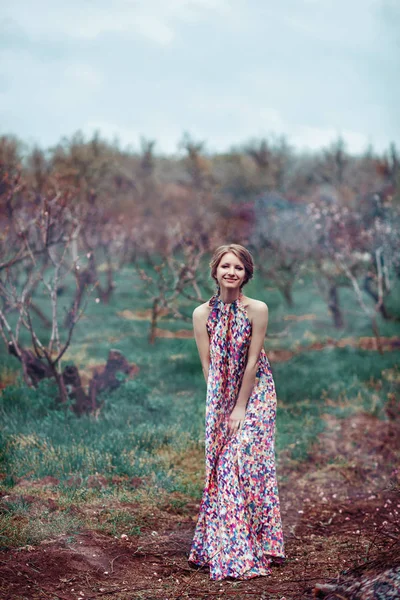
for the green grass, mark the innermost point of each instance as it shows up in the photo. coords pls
(163, 407)
(19, 528)
(116, 522)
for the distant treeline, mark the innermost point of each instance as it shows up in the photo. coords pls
(87, 208)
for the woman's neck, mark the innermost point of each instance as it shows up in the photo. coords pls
(229, 296)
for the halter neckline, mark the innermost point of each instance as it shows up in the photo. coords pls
(226, 303)
(217, 299)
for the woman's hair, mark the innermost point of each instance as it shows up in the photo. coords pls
(241, 252)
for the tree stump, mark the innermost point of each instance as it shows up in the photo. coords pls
(103, 379)
(35, 368)
(75, 390)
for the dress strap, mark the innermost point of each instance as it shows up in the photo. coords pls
(213, 299)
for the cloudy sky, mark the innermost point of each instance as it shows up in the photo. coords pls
(225, 71)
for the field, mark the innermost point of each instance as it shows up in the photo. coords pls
(104, 506)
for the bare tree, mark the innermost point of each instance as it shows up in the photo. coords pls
(352, 247)
(199, 168)
(273, 159)
(282, 242)
(173, 276)
(147, 162)
(45, 241)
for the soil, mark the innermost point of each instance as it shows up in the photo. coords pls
(388, 344)
(340, 512)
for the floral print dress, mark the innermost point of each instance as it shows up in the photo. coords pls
(239, 528)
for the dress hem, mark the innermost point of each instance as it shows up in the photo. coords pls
(264, 571)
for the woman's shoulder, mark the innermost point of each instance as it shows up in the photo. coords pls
(253, 304)
(202, 311)
(254, 308)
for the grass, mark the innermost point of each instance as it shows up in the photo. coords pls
(116, 522)
(152, 427)
(20, 528)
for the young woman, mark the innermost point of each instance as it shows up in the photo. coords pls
(239, 528)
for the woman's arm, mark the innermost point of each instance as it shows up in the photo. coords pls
(200, 315)
(259, 329)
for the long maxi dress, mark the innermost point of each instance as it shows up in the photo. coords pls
(239, 528)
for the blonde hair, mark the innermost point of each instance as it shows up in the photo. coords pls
(242, 254)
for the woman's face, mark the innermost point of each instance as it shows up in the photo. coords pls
(230, 271)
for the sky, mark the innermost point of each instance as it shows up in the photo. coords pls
(225, 71)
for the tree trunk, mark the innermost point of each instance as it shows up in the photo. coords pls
(73, 383)
(69, 382)
(84, 279)
(375, 329)
(34, 368)
(105, 295)
(286, 290)
(375, 297)
(62, 390)
(154, 318)
(334, 306)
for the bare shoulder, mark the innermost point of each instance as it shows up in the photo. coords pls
(256, 309)
(201, 312)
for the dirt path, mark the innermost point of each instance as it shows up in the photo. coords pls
(340, 512)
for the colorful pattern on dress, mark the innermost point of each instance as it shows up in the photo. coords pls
(239, 527)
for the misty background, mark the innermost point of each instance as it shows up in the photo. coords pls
(223, 70)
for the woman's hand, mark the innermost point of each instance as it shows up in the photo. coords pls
(236, 419)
